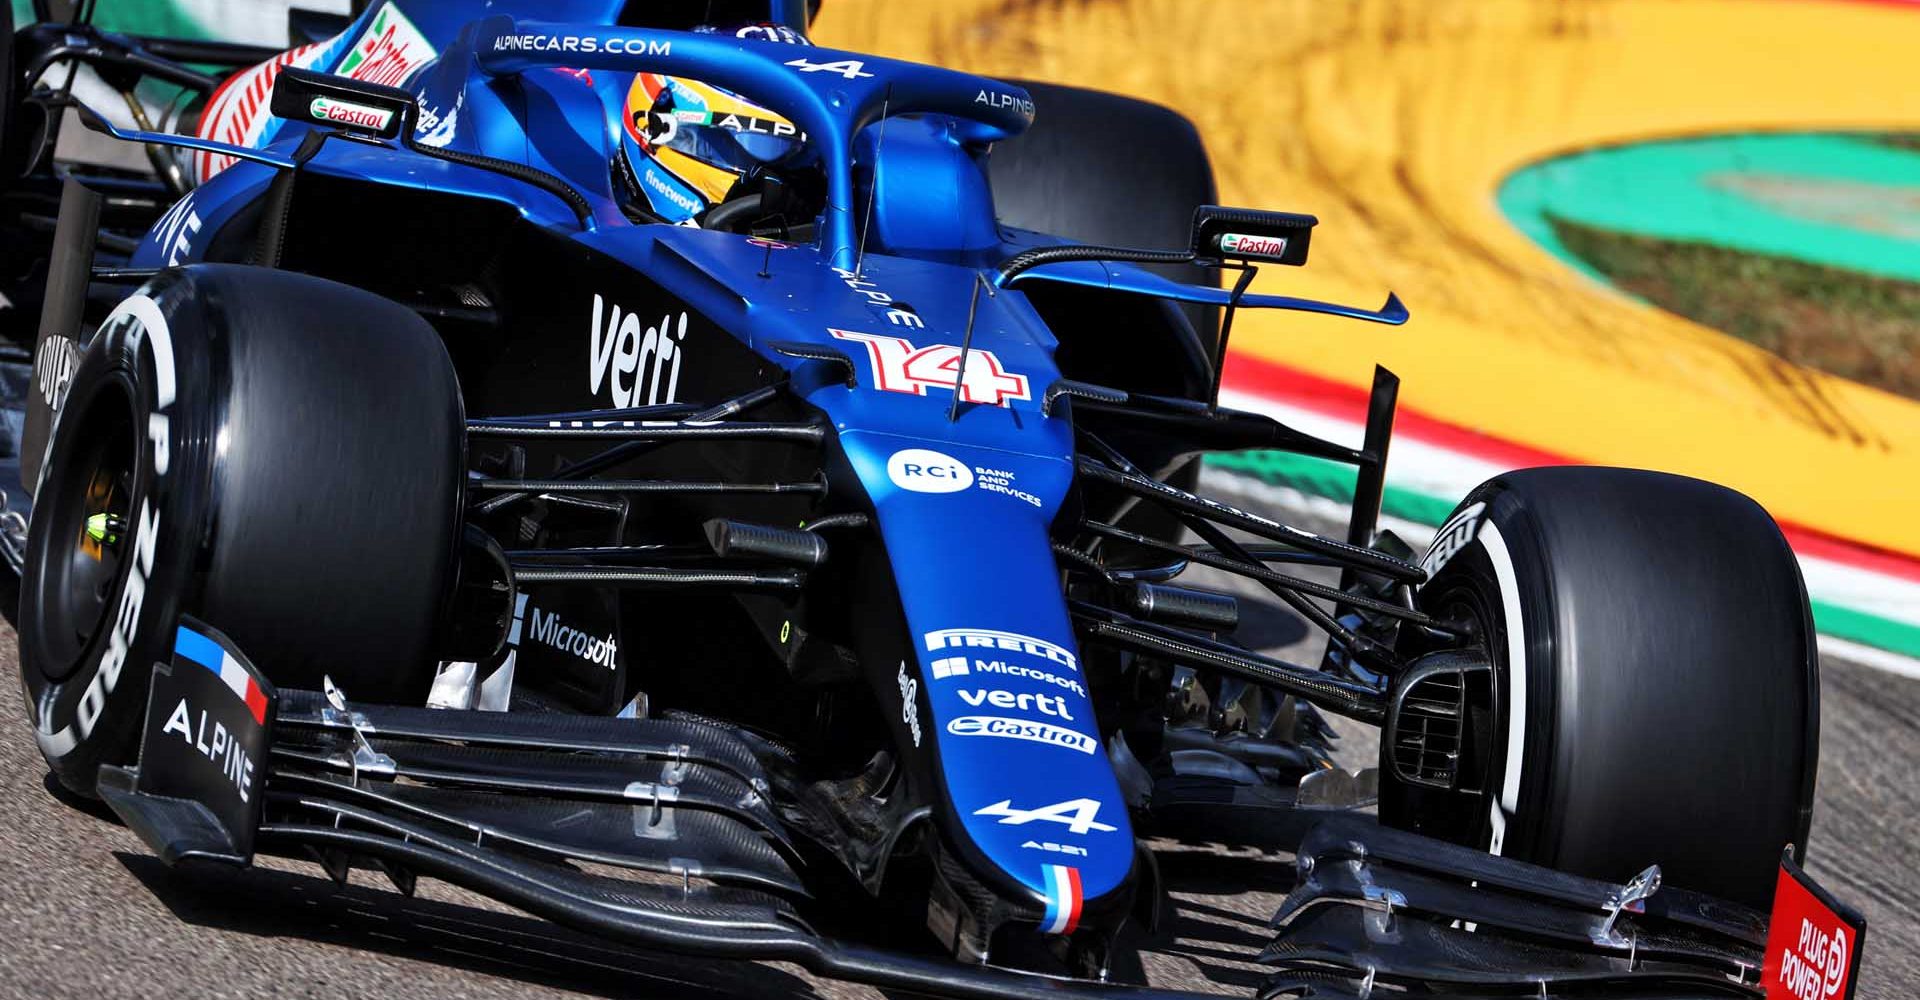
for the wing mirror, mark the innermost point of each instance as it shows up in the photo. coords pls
(349, 105)
(1246, 234)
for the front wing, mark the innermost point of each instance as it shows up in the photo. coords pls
(507, 804)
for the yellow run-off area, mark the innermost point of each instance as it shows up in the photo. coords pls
(1395, 123)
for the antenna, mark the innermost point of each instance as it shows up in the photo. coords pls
(966, 344)
(1247, 271)
(873, 184)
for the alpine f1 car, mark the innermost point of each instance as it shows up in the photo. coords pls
(686, 483)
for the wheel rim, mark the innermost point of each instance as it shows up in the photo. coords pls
(1458, 600)
(89, 500)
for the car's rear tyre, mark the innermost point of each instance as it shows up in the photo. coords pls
(1101, 168)
(1105, 169)
(277, 454)
(1655, 687)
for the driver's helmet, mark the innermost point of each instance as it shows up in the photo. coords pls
(688, 142)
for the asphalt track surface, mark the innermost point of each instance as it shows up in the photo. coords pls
(86, 912)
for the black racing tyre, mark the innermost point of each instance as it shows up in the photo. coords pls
(280, 456)
(1100, 168)
(1655, 695)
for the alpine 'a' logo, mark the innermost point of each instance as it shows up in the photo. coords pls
(640, 367)
(852, 69)
(1077, 815)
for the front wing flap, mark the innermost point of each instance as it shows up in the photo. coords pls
(1381, 907)
(201, 780)
(502, 803)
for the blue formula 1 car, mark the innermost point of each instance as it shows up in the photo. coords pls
(686, 483)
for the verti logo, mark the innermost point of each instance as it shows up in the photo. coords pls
(640, 367)
(1025, 701)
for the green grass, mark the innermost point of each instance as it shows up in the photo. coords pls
(1854, 325)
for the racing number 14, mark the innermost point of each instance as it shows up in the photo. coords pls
(898, 366)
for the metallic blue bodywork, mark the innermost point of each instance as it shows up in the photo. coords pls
(1030, 785)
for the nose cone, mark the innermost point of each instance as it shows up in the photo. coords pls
(1031, 800)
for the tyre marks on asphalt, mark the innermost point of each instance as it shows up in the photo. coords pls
(1865, 844)
(90, 914)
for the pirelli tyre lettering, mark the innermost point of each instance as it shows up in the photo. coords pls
(115, 445)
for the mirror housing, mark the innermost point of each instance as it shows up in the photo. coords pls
(349, 105)
(1247, 234)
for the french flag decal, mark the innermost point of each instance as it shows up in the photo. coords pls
(191, 645)
(1063, 899)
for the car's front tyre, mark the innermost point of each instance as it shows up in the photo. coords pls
(1655, 683)
(277, 454)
